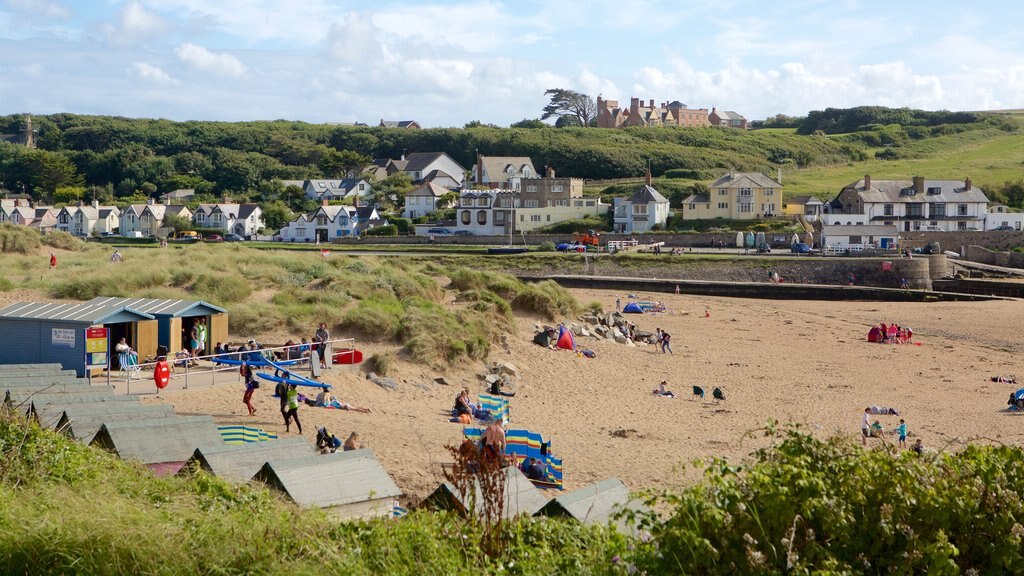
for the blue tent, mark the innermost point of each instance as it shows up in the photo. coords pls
(632, 308)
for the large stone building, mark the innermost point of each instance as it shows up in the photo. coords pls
(736, 196)
(610, 115)
(916, 204)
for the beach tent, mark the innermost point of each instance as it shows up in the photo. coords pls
(875, 334)
(349, 485)
(565, 339)
(238, 463)
(498, 406)
(632, 308)
(594, 504)
(543, 338)
(794, 240)
(521, 497)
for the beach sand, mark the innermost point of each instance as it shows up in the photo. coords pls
(805, 362)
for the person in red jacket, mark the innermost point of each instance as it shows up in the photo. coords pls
(161, 373)
(53, 260)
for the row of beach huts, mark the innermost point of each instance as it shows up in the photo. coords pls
(349, 485)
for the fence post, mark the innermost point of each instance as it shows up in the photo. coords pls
(188, 365)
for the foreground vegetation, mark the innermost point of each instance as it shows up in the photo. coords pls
(802, 506)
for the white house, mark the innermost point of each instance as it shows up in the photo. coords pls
(148, 219)
(436, 167)
(504, 172)
(917, 204)
(843, 237)
(91, 220)
(336, 189)
(323, 225)
(241, 219)
(424, 200)
(642, 211)
(999, 216)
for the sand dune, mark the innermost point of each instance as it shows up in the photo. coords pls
(795, 361)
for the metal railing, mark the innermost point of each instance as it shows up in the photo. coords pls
(204, 370)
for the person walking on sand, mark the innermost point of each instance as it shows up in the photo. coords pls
(901, 431)
(618, 304)
(53, 260)
(666, 343)
(293, 409)
(250, 387)
(322, 336)
(865, 427)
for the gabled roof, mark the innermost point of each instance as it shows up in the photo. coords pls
(743, 179)
(84, 426)
(897, 191)
(161, 308)
(330, 480)
(495, 166)
(399, 124)
(49, 415)
(158, 440)
(521, 496)
(697, 199)
(430, 190)
(81, 313)
(804, 200)
(366, 212)
(419, 161)
(594, 504)
(647, 194)
(240, 462)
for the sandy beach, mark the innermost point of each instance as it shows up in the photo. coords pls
(805, 362)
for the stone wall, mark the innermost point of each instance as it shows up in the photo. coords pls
(986, 256)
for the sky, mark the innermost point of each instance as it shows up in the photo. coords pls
(449, 62)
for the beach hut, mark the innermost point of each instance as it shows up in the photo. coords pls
(349, 485)
(238, 463)
(594, 504)
(83, 424)
(162, 444)
(49, 332)
(174, 321)
(521, 497)
(31, 399)
(49, 415)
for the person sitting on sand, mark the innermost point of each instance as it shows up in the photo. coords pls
(876, 430)
(352, 443)
(1004, 379)
(662, 390)
(324, 398)
(462, 404)
(327, 442)
(918, 447)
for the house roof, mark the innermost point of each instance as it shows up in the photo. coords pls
(399, 124)
(158, 440)
(495, 166)
(740, 179)
(79, 313)
(898, 191)
(49, 415)
(84, 426)
(240, 462)
(161, 308)
(297, 183)
(365, 212)
(647, 194)
(521, 496)
(36, 398)
(330, 480)
(729, 115)
(429, 189)
(804, 200)
(419, 161)
(864, 230)
(594, 504)
(697, 198)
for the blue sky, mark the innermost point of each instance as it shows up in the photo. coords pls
(447, 62)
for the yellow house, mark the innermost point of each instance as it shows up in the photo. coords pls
(807, 206)
(736, 196)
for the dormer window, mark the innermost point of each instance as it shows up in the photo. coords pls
(935, 190)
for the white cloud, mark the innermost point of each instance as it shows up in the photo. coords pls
(207, 61)
(37, 8)
(134, 23)
(151, 73)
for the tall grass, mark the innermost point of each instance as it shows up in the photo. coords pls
(18, 239)
(545, 298)
(63, 240)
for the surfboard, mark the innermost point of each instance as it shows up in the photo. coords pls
(299, 381)
(256, 363)
(739, 239)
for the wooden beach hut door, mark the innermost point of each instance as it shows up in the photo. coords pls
(146, 338)
(174, 338)
(218, 331)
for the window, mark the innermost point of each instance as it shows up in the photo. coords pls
(530, 204)
(961, 209)
(362, 186)
(692, 207)
(549, 217)
(522, 218)
(481, 217)
(577, 203)
(746, 192)
(854, 239)
(937, 210)
(64, 218)
(466, 218)
(961, 225)
(746, 207)
(723, 205)
(466, 201)
(723, 192)
(531, 188)
(889, 223)
(564, 203)
(535, 218)
(639, 209)
(321, 220)
(914, 210)
(323, 184)
(768, 191)
(499, 217)
(590, 203)
(887, 210)
(483, 201)
(200, 216)
(557, 188)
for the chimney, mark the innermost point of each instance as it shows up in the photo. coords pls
(355, 201)
(967, 184)
(80, 203)
(324, 201)
(479, 168)
(919, 184)
(151, 201)
(550, 171)
(652, 103)
(867, 181)
(647, 177)
(17, 202)
(96, 204)
(634, 104)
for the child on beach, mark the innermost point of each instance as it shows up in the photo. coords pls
(250, 387)
(901, 430)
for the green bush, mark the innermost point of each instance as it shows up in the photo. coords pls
(63, 240)
(404, 225)
(6, 285)
(221, 288)
(546, 246)
(435, 336)
(386, 230)
(686, 174)
(378, 317)
(18, 239)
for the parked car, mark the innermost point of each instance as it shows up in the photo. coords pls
(932, 229)
(109, 235)
(800, 248)
(233, 238)
(439, 231)
(1005, 228)
(187, 236)
(214, 238)
(463, 233)
(764, 248)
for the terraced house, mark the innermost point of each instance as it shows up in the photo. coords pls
(736, 196)
(915, 204)
(148, 219)
(90, 220)
(241, 219)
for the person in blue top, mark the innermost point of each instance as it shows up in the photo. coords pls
(901, 430)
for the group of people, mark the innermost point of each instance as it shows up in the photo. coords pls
(895, 334)
(875, 429)
(328, 443)
(197, 337)
(663, 340)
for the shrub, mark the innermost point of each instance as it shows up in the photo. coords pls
(386, 230)
(435, 336)
(378, 317)
(595, 308)
(221, 289)
(404, 225)
(18, 239)
(686, 174)
(381, 362)
(6, 285)
(63, 240)
(546, 246)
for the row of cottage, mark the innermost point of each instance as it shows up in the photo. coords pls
(134, 220)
